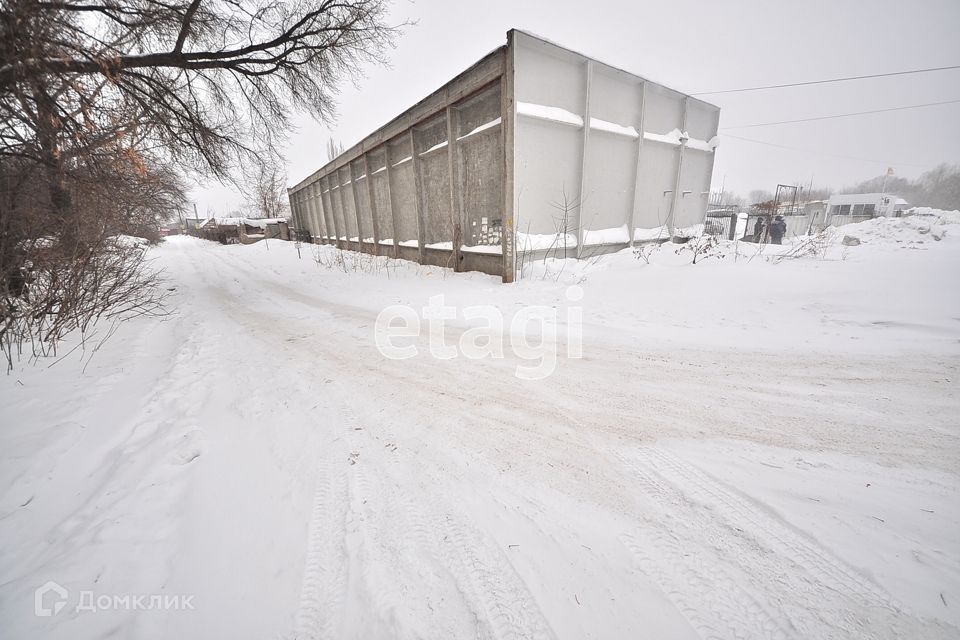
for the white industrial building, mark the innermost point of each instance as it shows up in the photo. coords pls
(535, 150)
(845, 208)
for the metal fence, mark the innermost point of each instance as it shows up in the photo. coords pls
(722, 225)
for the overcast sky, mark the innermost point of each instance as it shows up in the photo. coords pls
(694, 46)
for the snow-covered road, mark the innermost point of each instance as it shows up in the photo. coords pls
(734, 470)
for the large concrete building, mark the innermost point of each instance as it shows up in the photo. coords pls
(534, 150)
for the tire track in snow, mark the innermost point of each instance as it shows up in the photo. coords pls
(429, 521)
(325, 570)
(734, 571)
(706, 594)
(818, 561)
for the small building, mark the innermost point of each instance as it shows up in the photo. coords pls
(234, 230)
(535, 151)
(845, 208)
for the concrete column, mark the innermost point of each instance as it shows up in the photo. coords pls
(327, 214)
(456, 196)
(583, 157)
(325, 187)
(636, 176)
(318, 198)
(294, 208)
(418, 189)
(317, 212)
(507, 127)
(373, 205)
(311, 218)
(343, 205)
(337, 195)
(713, 159)
(672, 218)
(311, 213)
(390, 204)
(356, 205)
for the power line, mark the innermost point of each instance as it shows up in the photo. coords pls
(823, 153)
(842, 115)
(813, 82)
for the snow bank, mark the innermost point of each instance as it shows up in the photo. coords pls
(703, 145)
(483, 248)
(676, 137)
(537, 241)
(929, 225)
(553, 114)
(250, 222)
(672, 137)
(646, 235)
(613, 127)
(615, 235)
(948, 217)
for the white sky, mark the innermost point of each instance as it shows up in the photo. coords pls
(699, 45)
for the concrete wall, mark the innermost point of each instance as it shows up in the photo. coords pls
(603, 158)
(428, 186)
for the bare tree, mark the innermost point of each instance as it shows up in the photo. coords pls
(265, 191)
(334, 148)
(99, 98)
(207, 81)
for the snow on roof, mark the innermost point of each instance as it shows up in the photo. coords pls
(856, 198)
(250, 222)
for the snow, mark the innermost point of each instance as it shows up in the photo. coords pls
(483, 127)
(386, 241)
(615, 235)
(644, 235)
(667, 138)
(942, 216)
(537, 241)
(913, 230)
(553, 114)
(250, 222)
(121, 240)
(483, 248)
(691, 231)
(439, 145)
(676, 137)
(409, 243)
(400, 162)
(751, 446)
(612, 127)
(703, 145)
(448, 246)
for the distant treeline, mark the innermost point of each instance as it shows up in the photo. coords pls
(938, 188)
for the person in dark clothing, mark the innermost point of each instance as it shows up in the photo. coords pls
(758, 229)
(778, 229)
